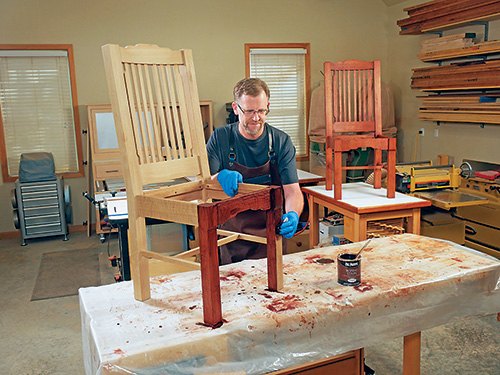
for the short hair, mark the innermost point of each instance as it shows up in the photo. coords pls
(250, 86)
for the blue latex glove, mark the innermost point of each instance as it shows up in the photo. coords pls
(289, 222)
(229, 181)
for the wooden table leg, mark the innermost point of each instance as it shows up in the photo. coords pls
(313, 222)
(355, 227)
(362, 221)
(411, 354)
(414, 222)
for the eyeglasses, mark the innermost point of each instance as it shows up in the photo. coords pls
(251, 113)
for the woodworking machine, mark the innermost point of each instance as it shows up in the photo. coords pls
(421, 176)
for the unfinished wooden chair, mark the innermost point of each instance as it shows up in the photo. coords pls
(156, 109)
(353, 115)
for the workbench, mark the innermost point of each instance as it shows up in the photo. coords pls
(409, 283)
(360, 204)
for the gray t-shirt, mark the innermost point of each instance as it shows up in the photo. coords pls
(253, 152)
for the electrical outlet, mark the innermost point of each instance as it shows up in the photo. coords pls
(436, 133)
(421, 132)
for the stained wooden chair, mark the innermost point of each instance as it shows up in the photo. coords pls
(353, 115)
(156, 109)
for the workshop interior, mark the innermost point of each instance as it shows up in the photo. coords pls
(110, 242)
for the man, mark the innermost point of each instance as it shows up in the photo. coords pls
(252, 151)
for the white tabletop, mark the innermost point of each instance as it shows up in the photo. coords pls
(363, 195)
(304, 175)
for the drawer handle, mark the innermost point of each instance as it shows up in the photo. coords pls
(112, 171)
(470, 230)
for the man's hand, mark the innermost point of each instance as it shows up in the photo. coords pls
(229, 181)
(289, 222)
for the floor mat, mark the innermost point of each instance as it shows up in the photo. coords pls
(62, 273)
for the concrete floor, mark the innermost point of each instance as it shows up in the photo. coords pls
(44, 337)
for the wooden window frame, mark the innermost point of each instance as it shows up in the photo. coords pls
(306, 46)
(76, 118)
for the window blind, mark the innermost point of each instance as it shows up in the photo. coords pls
(37, 108)
(283, 69)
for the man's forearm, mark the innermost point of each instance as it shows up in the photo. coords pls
(293, 198)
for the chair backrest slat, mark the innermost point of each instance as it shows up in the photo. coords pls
(356, 80)
(177, 135)
(154, 135)
(132, 89)
(350, 98)
(343, 97)
(147, 108)
(364, 96)
(183, 110)
(370, 95)
(162, 121)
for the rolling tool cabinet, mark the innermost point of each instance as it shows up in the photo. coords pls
(39, 203)
(41, 209)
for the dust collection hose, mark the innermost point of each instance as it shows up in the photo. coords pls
(370, 179)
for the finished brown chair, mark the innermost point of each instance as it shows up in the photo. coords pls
(160, 134)
(353, 115)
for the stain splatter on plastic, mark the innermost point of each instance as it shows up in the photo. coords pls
(288, 302)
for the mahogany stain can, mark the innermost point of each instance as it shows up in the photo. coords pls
(349, 269)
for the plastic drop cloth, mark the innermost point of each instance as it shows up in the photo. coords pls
(409, 283)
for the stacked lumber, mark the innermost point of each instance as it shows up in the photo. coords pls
(442, 14)
(468, 91)
(483, 74)
(481, 48)
(445, 43)
(477, 108)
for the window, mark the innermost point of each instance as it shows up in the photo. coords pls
(285, 67)
(38, 107)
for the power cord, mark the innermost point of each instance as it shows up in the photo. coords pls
(114, 260)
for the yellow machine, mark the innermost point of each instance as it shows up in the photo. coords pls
(420, 176)
(465, 201)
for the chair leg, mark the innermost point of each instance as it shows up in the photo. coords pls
(210, 283)
(329, 169)
(274, 243)
(275, 262)
(337, 175)
(139, 264)
(377, 172)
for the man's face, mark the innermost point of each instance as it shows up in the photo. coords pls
(252, 111)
